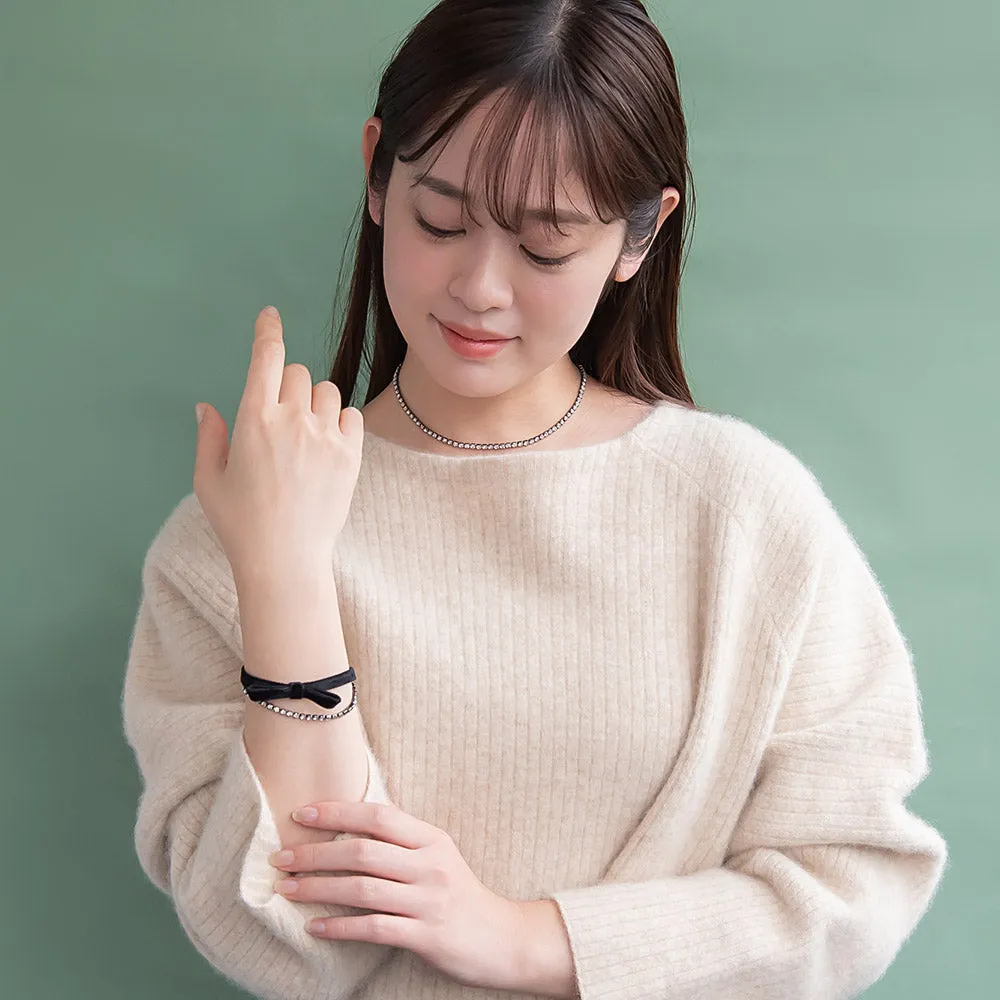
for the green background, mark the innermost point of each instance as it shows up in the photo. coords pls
(168, 169)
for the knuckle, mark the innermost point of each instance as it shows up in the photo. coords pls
(382, 816)
(436, 878)
(435, 866)
(368, 891)
(438, 909)
(268, 349)
(378, 927)
(438, 873)
(305, 857)
(362, 851)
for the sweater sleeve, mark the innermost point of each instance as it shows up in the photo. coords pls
(827, 871)
(204, 827)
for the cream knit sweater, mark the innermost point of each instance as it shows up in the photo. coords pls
(652, 679)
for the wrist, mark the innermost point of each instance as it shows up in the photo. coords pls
(290, 625)
(545, 958)
(275, 579)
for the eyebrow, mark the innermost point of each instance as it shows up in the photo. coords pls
(563, 216)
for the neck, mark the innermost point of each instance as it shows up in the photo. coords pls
(514, 414)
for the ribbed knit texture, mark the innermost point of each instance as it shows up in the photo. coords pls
(653, 679)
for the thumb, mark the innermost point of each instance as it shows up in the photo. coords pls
(212, 446)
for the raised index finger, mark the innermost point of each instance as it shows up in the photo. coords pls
(267, 360)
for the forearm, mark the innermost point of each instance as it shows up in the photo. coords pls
(292, 632)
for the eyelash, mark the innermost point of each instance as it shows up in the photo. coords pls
(444, 234)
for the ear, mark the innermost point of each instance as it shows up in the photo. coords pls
(369, 140)
(627, 266)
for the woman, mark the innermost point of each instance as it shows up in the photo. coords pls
(632, 715)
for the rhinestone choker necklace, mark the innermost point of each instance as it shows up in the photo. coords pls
(489, 447)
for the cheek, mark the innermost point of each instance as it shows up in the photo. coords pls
(564, 304)
(413, 274)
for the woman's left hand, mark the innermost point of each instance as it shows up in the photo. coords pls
(428, 899)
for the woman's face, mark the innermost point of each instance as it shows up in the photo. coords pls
(485, 277)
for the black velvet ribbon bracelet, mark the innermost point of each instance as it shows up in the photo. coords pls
(258, 689)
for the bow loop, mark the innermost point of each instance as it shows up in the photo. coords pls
(258, 689)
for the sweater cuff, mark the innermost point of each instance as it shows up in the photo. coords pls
(679, 936)
(803, 923)
(257, 875)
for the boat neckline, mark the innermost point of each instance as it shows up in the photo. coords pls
(505, 455)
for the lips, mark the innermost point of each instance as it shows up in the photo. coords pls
(471, 333)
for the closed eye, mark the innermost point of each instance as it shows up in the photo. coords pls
(444, 234)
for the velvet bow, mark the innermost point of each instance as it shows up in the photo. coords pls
(258, 689)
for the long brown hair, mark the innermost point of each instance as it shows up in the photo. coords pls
(600, 70)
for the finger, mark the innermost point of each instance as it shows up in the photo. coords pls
(369, 893)
(211, 444)
(296, 386)
(379, 928)
(352, 422)
(381, 820)
(267, 361)
(327, 403)
(326, 400)
(355, 854)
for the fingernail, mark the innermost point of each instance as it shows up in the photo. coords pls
(281, 858)
(269, 311)
(308, 812)
(199, 412)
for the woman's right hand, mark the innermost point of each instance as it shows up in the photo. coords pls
(279, 496)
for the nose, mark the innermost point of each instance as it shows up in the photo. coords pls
(481, 282)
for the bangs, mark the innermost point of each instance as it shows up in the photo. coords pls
(544, 126)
